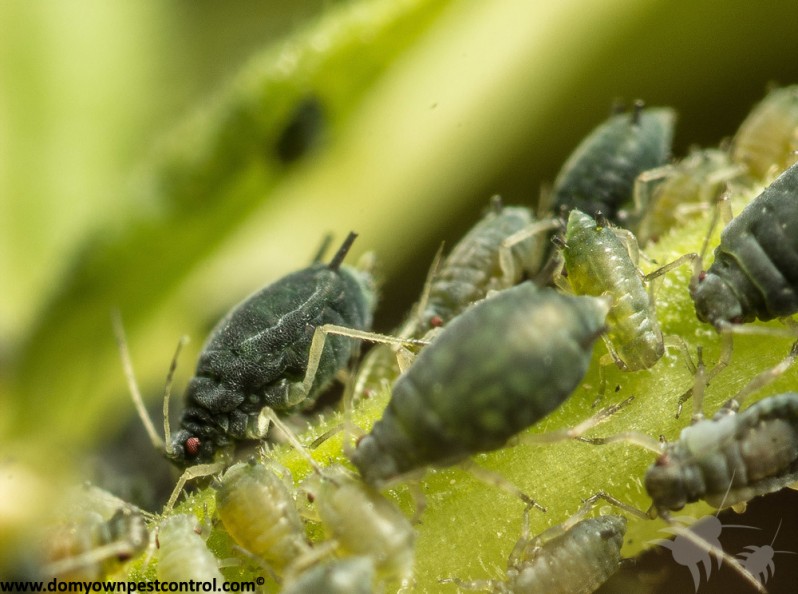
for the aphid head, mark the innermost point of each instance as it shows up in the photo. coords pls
(715, 302)
(665, 484)
(186, 449)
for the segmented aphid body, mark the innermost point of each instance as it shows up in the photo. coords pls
(363, 522)
(598, 263)
(668, 196)
(260, 514)
(599, 175)
(576, 562)
(497, 369)
(767, 140)
(473, 268)
(731, 458)
(182, 554)
(257, 355)
(354, 575)
(755, 272)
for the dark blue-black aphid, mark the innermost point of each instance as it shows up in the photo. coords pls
(498, 368)
(599, 175)
(257, 355)
(755, 272)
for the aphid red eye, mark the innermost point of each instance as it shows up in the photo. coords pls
(436, 321)
(702, 275)
(192, 446)
(663, 460)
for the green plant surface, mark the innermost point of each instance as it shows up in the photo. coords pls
(462, 89)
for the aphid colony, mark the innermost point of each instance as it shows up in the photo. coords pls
(497, 354)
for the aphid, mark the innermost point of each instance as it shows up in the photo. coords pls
(767, 140)
(353, 575)
(495, 370)
(668, 196)
(575, 557)
(259, 513)
(755, 272)
(363, 522)
(100, 533)
(266, 353)
(759, 560)
(749, 454)
(599, 175)
(598, 263)
(303, 131)
(183, 555)
(483, 261)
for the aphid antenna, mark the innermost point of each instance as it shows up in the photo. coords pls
(339, 256)
(494, 479)
(162, 445)
(762, 379)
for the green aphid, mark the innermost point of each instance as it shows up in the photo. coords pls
(598, 263)
(767, 141)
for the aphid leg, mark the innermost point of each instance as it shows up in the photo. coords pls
(496, 480)
(317, 349)
(701, 382)
(761, 380)
(194, 472)
(507, 262)
(577, 431)
(268, 416)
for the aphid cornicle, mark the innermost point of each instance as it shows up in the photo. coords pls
(598, 263)
(497, 369)
(767, 141)
(755, 272)
(599, 175)
(259, 513)
(257, 356)
(730, 458)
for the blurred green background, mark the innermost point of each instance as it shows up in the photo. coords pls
(422, 122)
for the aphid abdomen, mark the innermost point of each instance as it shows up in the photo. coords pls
(599, 175)
(598, 263)
(755, 272)
(182, 554)
(352, 575)
(498, 368)
(258, 511)
(364, 522)
(768, 138)
(578, 562)
(730, 458)
(473, 267)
